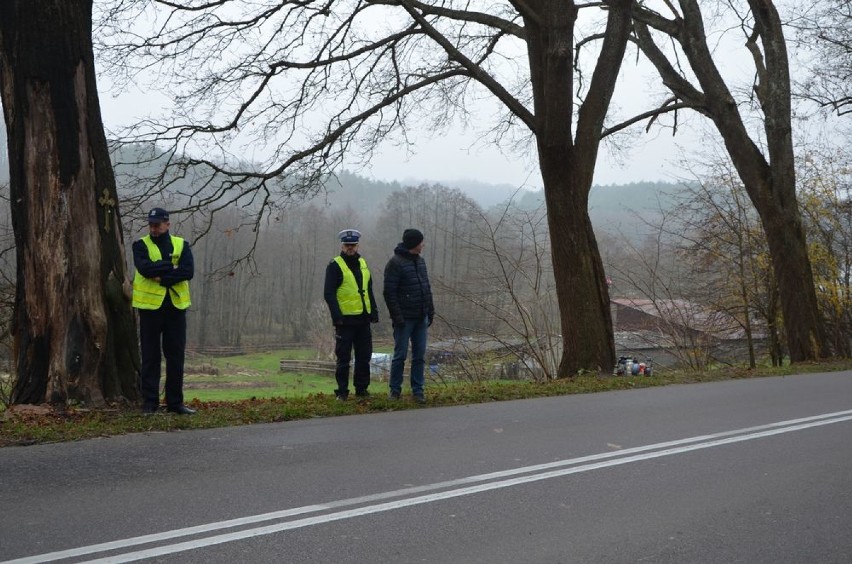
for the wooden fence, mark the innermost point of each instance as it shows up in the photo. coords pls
(237, 350)
(320, 366)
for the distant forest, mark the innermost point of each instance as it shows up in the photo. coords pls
(259, 279)
(258, 284)
(263, 283)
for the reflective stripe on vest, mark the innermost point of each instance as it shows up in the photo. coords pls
(349, 298)
(148, 293)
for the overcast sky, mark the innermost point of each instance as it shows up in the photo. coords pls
(652, 157)
(458, 155)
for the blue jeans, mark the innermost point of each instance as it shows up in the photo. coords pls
(415, 331)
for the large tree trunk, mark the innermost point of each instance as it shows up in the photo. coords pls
(806, 338)
(567, 167)
(75, 336)
(584, 307)
(792, 268)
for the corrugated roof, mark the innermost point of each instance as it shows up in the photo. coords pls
(691, 315)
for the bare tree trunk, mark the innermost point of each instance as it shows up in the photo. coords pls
(567, 168)
(802, 323)
(772, 188)
(587, 334)
(75, 336)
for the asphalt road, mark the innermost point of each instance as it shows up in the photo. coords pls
(747, 471)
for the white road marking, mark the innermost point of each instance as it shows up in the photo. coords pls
(496, 480)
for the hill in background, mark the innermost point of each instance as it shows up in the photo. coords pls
(613, 208)
(626, 208)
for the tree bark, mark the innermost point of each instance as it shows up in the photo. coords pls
(74, 329)
(567, 168)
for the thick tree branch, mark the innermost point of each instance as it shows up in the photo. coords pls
(506, 26)
(593, 111)
(474, 71)
(667, 107)
(673, 80)
(198, 8)
(322, 147)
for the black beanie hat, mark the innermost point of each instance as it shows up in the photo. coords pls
(411, 238)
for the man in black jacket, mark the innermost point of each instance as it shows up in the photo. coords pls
(349, 294)
(408, 296)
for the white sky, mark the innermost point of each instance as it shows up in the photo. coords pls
(652, 157)
(459, 156)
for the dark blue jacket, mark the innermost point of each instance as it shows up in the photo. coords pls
(407, 291)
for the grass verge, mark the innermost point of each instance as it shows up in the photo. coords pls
(27, 427)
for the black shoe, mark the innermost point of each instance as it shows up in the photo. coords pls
(341, 397)
(149, 410)
(362, 396)
(182, 410)
(419, 398)
(393, 396)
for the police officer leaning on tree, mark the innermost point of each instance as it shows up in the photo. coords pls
(164, 267)
(348, 292)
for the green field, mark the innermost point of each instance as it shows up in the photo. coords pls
(252, 376)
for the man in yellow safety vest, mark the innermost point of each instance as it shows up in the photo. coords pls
(164, 267)
(349, 294)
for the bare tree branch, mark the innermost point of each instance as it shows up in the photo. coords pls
(489, 20)
(667, 106)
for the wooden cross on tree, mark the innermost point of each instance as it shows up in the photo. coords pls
(108, 203)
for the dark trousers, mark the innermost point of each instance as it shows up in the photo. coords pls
(347, 337)
(166, 326)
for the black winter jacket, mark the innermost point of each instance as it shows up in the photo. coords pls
(407, 291)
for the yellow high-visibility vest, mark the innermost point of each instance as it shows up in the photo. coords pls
(349, 297)
(148, 293)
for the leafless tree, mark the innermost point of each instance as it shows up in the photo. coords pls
(720, 234)
(824, 43)
(312, 85)
(75, 337)
(319, 332)
(653, 277)
(678, 300)
(764, 159)
(510, 284)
